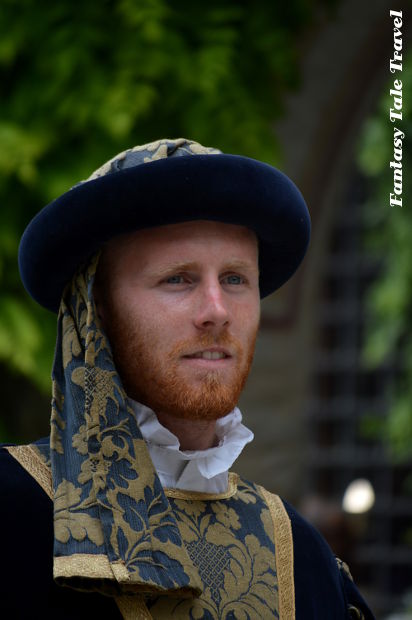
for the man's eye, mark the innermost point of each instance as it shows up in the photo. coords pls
(174, 279)
(234, 279)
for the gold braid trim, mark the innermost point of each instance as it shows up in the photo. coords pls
(284, 554)
(31, 461)
(204, 497)
(132, 607)
(88, 565)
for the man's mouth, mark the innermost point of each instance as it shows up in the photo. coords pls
(209, 354)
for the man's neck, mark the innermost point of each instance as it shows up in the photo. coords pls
(192, 434)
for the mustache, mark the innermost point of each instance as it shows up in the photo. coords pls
(225, 340)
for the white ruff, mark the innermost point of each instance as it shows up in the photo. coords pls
(194, 470)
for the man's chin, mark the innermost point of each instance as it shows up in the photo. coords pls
(189, 393)
(198, 414)
(206, 378)
(191, 402)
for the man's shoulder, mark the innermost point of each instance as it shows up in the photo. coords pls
(320, 578)
(309, 545)
(307, 538)
(26, 515)
(26, 526)
(19, 489)
(301, 528)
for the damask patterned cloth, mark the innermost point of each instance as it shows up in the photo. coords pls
(231, 543)
(160, 149)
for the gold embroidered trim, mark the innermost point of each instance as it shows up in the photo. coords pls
(284, 554)
(197, 495)
(132, 607)
(31, 461)
(90, 565)
(83, 565)
(120, 571)
(94, 566)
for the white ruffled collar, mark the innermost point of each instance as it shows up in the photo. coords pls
(193, 470)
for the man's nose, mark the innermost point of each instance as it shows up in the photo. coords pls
(212, 311)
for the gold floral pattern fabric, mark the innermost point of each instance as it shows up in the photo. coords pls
(231, 543)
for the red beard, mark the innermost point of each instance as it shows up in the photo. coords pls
(157, 381)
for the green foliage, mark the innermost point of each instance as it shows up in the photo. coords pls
(83, 81)
(389, 300)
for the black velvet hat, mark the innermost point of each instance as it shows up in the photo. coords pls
(165, 182)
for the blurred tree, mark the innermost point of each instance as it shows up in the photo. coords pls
(82, 81)
(389, 300)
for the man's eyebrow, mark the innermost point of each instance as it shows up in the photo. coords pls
(175, 266)
(194, 266)
(238, 264)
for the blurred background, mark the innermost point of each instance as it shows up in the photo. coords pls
(303, 85)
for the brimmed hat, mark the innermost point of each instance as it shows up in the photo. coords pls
(165, 182)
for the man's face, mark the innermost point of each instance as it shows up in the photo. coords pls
(180, 305)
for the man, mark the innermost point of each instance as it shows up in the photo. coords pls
(156, 265)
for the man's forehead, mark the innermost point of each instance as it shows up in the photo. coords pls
(186, 243)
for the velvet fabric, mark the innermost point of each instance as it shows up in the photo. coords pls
(166, 190)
